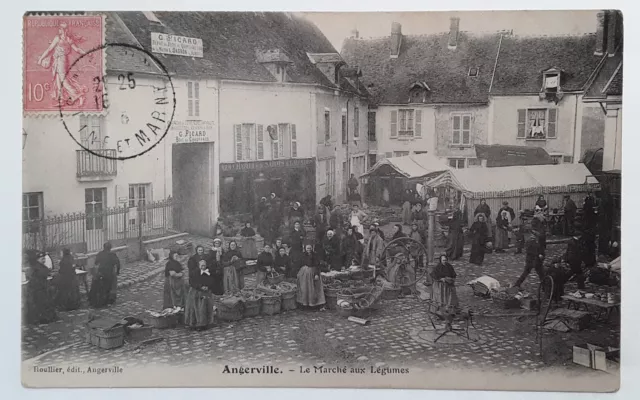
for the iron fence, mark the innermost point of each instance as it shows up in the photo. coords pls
(87, 232)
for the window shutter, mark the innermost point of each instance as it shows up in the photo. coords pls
(456, 127)
(394, 124)
(522, 123)
(466, 129)
(190, 98)
(260, 142)
(552, 130)
(294, 142)
(418, 130)
(196, 100)
(237, 131)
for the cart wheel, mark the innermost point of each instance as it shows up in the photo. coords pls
(409, 254)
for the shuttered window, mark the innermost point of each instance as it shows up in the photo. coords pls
(461, 129)
(193, 99)
(294, 141)
(260, 142)
(522, 123)
(552, 124)
(245, 136)
(538, 123)
(393, 132)
(418, 125)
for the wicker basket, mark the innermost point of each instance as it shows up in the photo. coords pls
(331, 297)
(289, 301)
(271, 305)
(106, 339)
(230, 313)
(165, 322)
(138, 334)
(252, 307)
(345, 311)
(275, 279)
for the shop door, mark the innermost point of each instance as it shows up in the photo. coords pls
(192, 176)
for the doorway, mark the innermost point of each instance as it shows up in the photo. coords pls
(192, 177)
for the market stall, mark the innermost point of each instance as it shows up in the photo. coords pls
(386, 180)
(519, 185)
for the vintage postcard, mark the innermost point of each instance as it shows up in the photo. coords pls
(424, 200)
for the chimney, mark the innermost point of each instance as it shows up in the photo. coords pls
(601, 33)
(454, 30)
(396, 39)
(612, 28)
(355, 33)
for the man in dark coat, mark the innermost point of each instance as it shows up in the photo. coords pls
(570, 210)
(573, 257)
(534, 257)
(320, 223)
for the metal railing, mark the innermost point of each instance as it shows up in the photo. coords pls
(96, 165)
(86, 233)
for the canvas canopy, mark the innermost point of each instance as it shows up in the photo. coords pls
(413, 166)
(518, 180)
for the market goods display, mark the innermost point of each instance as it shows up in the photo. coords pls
(274, 278)
(167, 318)
(231, 307)
(252, 303)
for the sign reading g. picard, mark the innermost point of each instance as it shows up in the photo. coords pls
(193, 131)
(176, 45)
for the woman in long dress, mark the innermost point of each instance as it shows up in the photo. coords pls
(198, 313)
(483, 208)
(502, 231)
(479, 239)
(310, 290)
(214, 264)
(456, 237)
(231, 278)
(444, 297)
(67, 288)
(173, 282)
(420, 217)
(193, 261)
(40, 305)
(249, 241)
(330, 251)
(103, 286)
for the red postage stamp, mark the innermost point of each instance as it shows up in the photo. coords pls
(60, 62)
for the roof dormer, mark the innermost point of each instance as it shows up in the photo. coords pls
(552, 85)
(329, 64)
(418, 92)
(275, 61)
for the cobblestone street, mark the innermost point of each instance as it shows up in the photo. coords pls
(505, 342)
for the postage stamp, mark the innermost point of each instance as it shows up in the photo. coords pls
(51, 45)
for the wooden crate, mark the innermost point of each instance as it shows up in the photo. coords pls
(575, 320)
(582, 355)
(106, 339)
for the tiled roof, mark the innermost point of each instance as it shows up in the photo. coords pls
(498, 155)
(615, 87)
(120, 58)
(522, 60)
(325, 58)
(596, 88)
(425, 58)
(231, 40)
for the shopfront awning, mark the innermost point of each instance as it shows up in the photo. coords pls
(415, 166)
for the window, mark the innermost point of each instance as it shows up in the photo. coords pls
(330, 168)
(281, 147)
(406, 123)
(327, 125)
(457, 163)
(32, 210)
(244, 138)
(461, 130)
(94, 205)
(474, 162)
(92, 132)
(356, 123)
(371, 125)
(193, 99)
(537, 124)
(260, 143)
(561, 159)
(551, 81)
(400, 153)
(557, 159)
(344, 127)
(139, 195)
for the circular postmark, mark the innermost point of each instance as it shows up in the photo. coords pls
(140, 103)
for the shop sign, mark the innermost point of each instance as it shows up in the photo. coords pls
(176, 45)
(193, 131)
(252, 166)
